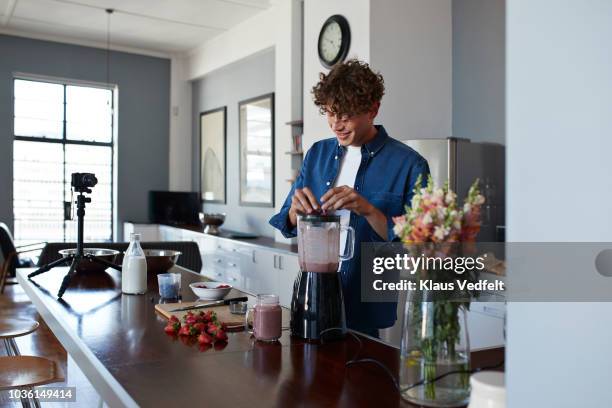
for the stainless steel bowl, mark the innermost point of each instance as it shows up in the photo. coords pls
(212, 222)
(109, 255)
(160, 260)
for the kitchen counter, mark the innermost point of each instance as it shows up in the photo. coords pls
(266, 242)
(119, 343)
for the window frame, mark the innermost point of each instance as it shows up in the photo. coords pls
(64, 141)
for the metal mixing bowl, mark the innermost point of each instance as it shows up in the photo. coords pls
(160, 260)
(109, 255)
(212, 222)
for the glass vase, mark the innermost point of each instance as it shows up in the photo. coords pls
(435, 352)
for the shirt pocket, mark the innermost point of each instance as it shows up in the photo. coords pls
(390, 204)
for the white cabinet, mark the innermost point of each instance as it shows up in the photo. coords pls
(273, 271)
(148, 232)
(251, 268)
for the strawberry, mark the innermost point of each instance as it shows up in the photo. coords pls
(184, 331)
(204, 347)
(212, 328)
(169, 329)
(220, 345)
(200, 327)
(191, 320)
(174, 319)
(220, 335)
(204, 338)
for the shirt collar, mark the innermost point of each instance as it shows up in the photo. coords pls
(374, 146)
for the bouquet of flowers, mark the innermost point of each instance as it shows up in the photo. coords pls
(435, 217)
(437, 226)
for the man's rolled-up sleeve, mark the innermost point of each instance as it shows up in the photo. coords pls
(280, 221)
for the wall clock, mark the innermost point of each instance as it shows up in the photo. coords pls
(334, 40)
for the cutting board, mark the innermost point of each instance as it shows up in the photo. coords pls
(223, 312)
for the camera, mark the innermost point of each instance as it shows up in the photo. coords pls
(83, 181)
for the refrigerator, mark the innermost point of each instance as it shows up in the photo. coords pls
(461, 161)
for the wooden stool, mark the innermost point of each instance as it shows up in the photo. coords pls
(25, 372)
(14, 327)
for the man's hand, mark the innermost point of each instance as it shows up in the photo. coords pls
(302, 202)
(346, 198)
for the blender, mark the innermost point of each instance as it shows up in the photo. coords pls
(317, 304)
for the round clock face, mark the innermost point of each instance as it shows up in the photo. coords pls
(334, 40)
(331, 40)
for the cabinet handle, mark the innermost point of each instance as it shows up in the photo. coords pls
(253, 257)
(274, 261)
(233, 265)
(218, 260)
(232, 279)
(218, 274)
(280, 264)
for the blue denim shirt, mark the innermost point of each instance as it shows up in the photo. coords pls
(386, 178)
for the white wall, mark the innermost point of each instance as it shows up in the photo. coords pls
(279, 28)
(357, 12)
(411, 45)
(559, 87)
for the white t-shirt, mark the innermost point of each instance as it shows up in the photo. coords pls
(346, 177)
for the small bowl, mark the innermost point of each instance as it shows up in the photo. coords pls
(212, 291)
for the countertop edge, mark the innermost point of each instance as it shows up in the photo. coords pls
(102, 380)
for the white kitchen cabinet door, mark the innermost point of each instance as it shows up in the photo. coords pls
(264, 273)
(288, 269)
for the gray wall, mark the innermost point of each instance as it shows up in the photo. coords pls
(559, 189)
(479, 70)
(245, 79)
(411, 45)
(144, 95)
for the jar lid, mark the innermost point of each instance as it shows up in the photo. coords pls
(319, 218)
(267, 299)
(490, 383)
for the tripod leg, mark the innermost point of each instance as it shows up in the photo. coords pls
(45, 268)
(104, 262)
(66, 281)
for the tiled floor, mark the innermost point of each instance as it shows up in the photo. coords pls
(14, 302)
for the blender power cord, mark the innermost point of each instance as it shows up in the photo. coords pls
(354, 361)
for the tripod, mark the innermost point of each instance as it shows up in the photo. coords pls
(75, 259)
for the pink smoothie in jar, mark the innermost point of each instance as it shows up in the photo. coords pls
(267, 318)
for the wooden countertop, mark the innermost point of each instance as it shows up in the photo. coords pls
(118, 342)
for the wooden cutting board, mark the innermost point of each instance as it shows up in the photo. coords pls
(223, 312)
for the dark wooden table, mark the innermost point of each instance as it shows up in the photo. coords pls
(119, 343)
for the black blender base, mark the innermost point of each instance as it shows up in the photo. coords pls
(317, 307)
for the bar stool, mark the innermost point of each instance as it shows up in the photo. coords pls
(15, 327)
(24, 372)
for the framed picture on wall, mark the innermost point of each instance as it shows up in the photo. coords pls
(256, 122)
(213, 140)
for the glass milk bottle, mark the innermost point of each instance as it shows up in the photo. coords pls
(134, 268)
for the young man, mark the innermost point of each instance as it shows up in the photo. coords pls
(362, 174)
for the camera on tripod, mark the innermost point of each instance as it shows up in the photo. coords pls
(82, 182)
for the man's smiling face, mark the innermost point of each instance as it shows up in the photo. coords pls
(352, 130)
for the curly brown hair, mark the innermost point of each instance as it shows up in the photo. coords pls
(350, 88)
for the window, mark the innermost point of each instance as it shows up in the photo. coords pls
(60, 129)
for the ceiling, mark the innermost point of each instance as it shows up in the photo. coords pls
(155, 26)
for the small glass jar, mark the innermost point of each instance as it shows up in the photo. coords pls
(267, 318)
